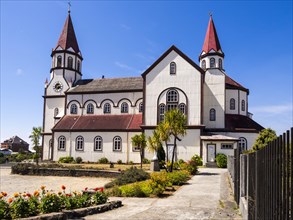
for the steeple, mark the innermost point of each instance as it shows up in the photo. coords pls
(67, 38)
(211, 55)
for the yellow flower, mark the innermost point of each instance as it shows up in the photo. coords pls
(36, 193)
(43, 187)
(16, 195)
(24, 194)
(59, 193)
(48, 193)
(1, 196)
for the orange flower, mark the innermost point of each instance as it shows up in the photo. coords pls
(43, 187)
(16, 195)
(1, 196)
(36, 193)
(59, 193)
(63, 187)
(4, 194)
(24, 194)
(10, 200)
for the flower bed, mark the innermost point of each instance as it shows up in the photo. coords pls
(42, 201)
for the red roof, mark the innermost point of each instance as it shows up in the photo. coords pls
(241, 123)
(99, 123)
(232, 84)
(211, 40)
(67, 38)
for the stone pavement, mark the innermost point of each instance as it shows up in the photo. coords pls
(199, 199)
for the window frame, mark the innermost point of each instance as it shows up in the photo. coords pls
(73, 109)
(224, 146)
(204, 65)
(162, 110)
(78, 66)
(107, 108)
(212, 64)
(61, 143)
(56, 112)
(100, 141)
(173, 68)
(140, 107)
(59, 61)
(89, 107)
(180, 108)
(79, 143)
(242, 144)
(220, 63)
(70, 62)
(117, 140)
(212, 114)
(124, 107)
(243, 105)
(232, 104)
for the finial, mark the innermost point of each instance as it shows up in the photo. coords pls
(210, 14)
(69, 5)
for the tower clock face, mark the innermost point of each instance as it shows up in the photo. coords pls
(58, 86)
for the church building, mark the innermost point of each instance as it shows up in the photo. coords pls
(95, 118)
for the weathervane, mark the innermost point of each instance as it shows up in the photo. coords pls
(69, 5)
(210, 14)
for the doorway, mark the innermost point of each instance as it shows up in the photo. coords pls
(211, 148)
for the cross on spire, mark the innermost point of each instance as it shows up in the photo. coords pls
(69, 5)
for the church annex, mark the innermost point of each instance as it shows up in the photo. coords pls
(97, 118)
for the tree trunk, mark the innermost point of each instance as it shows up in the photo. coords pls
(166, 154)
(173, 154)
(141, 155)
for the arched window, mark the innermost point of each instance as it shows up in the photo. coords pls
(220, 64)
(56, 112)
(61, 143)
(73, 109)
(161, 112)
(172, 99)
(79, 143)
(212, 114)
(59, 61)
(107, 108)
(203, 65)
(182, 108)
(78, 66)
(98, 143)
(124, 107)
(242, 105)
(90, 108)
(242, 144)
(212, 63)
(232, 104)
(140, 107)
(172, 68)
(69, 62)
(117, 143)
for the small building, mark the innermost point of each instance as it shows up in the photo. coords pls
(15, 144)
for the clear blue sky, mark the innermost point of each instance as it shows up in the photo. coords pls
(123, 38)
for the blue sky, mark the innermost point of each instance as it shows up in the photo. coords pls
(123, 38)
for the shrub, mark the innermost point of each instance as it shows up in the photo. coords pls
(181, 161)
(178, 178)
(146, 161)
(103, 160)
(78, 160)
(190, 166)
(221, 160)
(22, 168)
(4, 210)
(66, 159)
(50, 202)
(197, 159)
(132, 190)
(99, 198)
(130, 162)
(119, 161)
(130, 175)
(161, 153)
(22, 207)
(1, 154)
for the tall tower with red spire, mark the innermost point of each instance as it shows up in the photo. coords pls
(211, 55)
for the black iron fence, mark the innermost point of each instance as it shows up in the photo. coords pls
(263, 184)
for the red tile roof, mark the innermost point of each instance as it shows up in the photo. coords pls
(99, 123)
(67, 38)
(232, 84)
(211, 40)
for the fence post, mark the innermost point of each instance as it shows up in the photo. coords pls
(251, 186)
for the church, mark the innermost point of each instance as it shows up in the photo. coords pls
(95, 118)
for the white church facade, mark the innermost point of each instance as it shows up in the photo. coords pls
(97, 118)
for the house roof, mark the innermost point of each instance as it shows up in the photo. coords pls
(108, 85)
(241, 123)
(173, 47)
(211, 41)
(15, 140)
(232, 84)
(67, 38)
(127, 122)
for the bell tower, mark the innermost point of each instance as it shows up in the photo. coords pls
(212, 55)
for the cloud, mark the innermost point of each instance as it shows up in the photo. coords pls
(19, 71)
(125, 27)
(126, 67)
(273, 109)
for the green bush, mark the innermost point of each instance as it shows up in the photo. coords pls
(78, 160)
(103, 160)
(190, 166)
(22, 208)
(130, 175)
(221, 160)
(1, 154)
(22, 168)
(181, 161)
(119, 161)
(99, 198)
(132, 190)
(4, 210)
(197, 159)
(50, 203)
(66, 159)
(146, 161)
(178, 178)
(130, 162)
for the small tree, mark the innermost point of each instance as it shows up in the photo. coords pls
(264, 137)
(139, 141)
(35, 138)
(164, 134)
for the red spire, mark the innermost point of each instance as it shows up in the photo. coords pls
(67, 38)
(211, 40)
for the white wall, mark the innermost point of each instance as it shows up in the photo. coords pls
(250, 137)
(187, 79)
(232, 93)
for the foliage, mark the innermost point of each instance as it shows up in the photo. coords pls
(22, 168)
(178, 178)
(119, 161)
(197, 159)
(221, 160)
(146, 161)
(161, 154)
(1, 154)
(4, 209)
(264, 137)
(20, 157)
(78, 160)
(50, 202)
(103, 160)
(35, 138)
(129, 176)
(190, 166)
(66, 159)
(139, 141)
(130, 162)
(99, 198)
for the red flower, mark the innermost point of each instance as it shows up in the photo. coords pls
(102, 189)
(68, 195)
(28, 195)
(96, 189)
(85, 189)
(63, 187)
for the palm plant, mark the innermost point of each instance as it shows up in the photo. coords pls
(164, 135)
(35, 138)
(139, 141)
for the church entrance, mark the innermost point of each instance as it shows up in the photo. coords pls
(211, 152)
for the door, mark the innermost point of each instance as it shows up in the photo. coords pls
(211, 152)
